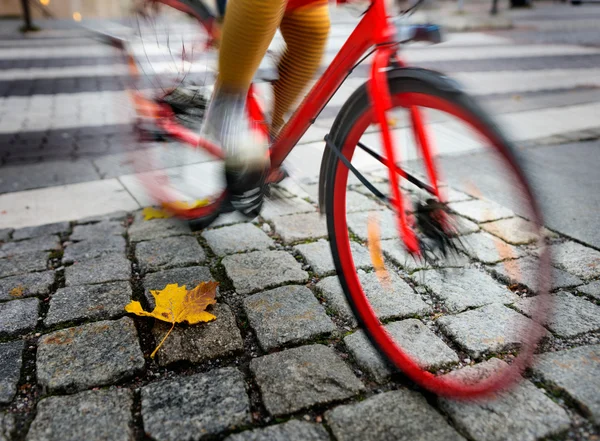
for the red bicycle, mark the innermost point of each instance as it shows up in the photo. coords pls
(416, 226)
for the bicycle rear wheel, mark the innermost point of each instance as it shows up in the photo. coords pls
(479, 286)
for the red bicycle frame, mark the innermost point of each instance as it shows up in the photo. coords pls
(374, 29)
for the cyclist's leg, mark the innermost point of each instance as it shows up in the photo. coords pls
(305, 31)
(248, 29)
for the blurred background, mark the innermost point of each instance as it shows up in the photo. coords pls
(68, 146)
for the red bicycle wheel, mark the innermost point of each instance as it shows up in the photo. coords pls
(479, 287)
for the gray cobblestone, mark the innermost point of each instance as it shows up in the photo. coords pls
(401, 415)
(298, 227)
(396, 251)
(413, 336)
(575, 372)
(284, 207)
(398, 301)
(577, 259)
(23, 263)
(42, 243)
(263, 269)
(463, 288)
(521, 414)
(358, 221)
(18, 316)
(202, 342)
(156, 229)
(5, 234)
(11, 358)
(92, 302)
(359, 202)
(298, 378)
(41, 230)
(591, 289)
(99, 230)
(237, 238)
(487, 248)
(318, 256)
(197, 406)
(188, 277)
(90, 249)
(526, 272)
(492, 328)
(95, 354)
(570, 315)
(481, 211)
(515, 230)
(108, 268)
(168, 253)
(292, 430)
(116, 216)
(290, 314)
(92, 416)
(26, 285)
(7, 426)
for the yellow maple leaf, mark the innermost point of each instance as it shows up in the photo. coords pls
(155, 213)
(185, 205)
(175, 304)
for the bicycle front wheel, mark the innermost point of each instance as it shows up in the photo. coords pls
(478, 286)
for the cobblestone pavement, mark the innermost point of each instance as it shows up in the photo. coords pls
(284, 359)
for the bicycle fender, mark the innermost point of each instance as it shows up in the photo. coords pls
(432, 78)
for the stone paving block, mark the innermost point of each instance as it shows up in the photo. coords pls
(108, 268)
(202, 342)
(115, 216)
(230, 219)
(359, 202)
(463, 288)
(481, 211)
(570, 315)
(526, 272)
(298, 227)
(290, 314)
(491, 328)
(413, 336)
(237, 238)
(464, 226)
(263, 269)
(591, 289)
(23, 263)
(396, 252)
(26, 285)
(41, 230)
(92, 416)
(42, 243)
(284, 207)
(318, 256)
(189, 277)
(577, 259)
(96, 354)
(523, 413)
(576, 373)
(400, 415)
(299, 378)
(7, 426)
(397, 301)
(99, 230)
(168, 253)
(292, 430)
(18, 316)
(11, 358)
(5, 234)
(91, 302)
(487, 248)
(90, 249)
(453, 195)
(157, 228)
(196, 406)
(514, 230)
(358, 222)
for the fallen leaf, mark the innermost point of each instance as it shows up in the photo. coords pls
(175, 304)
(374, 245)
(185, 205)
(17, 291)
(155, 213)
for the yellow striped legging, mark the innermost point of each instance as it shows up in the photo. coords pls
(249, 27)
